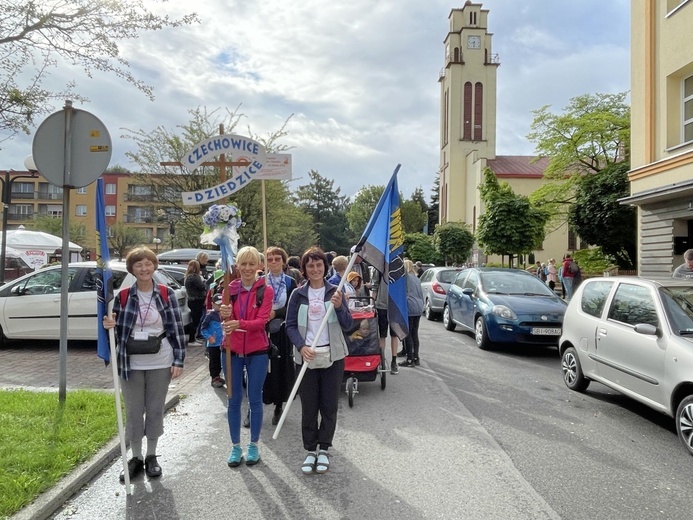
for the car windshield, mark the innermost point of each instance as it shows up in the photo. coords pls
(678, 304)
(499, 282)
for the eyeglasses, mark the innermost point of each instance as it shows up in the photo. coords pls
(273, 259)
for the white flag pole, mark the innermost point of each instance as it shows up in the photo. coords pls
(119, 409)
(304, 367)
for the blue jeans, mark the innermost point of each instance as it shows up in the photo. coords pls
(256, 368)
(567, 287)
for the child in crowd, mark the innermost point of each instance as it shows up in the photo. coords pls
(211, 331)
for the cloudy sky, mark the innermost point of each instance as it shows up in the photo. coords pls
(359, 77)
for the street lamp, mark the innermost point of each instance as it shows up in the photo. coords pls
(6, 199)
(156, 241)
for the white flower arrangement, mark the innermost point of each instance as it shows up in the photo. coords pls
(221, 222)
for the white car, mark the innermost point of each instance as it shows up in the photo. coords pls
(30, 305)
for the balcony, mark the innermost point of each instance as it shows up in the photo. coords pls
(20, 216)
(16, 195)
(45, 195)
(138, 219)
(139, 197)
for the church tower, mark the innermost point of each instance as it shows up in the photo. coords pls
(468, 112)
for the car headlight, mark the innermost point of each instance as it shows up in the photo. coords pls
(504, 312)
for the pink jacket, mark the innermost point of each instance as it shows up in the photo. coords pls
(252, 318)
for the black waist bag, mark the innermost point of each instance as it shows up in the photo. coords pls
(151, 345)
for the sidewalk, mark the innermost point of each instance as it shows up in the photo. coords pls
(49, 502)
(412, 451)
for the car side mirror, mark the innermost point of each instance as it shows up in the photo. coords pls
(646, 329)
(468, 291)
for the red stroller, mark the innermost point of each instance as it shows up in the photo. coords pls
(365, 360)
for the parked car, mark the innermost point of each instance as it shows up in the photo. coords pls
(175, 271)
(504, 306)
(434, 285)
(30, 305)
(183, 256)
(634, 335)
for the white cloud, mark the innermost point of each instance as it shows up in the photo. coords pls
(361, 77)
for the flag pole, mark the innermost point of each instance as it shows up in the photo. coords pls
(119, 408)
(304, 366)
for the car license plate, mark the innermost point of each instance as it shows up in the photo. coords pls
(540, 331)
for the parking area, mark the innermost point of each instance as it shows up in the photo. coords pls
(36, 364)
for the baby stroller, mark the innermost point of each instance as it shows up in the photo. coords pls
(365, 360)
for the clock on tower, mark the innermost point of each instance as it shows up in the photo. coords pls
(474, 42)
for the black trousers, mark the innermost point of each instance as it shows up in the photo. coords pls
(214, 354)
(411, 342)
(320, 394)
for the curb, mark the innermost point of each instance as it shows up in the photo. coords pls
(48, 502)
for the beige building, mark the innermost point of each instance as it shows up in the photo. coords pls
(468, 131)
(662, 131)
(126, 201)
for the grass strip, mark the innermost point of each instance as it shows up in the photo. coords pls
(41, 440)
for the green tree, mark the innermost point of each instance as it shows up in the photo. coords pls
(413, 217)
(328, 210)
(420, 248)
(168, 182)
(35, 35)
(54, 226)
(125, 238)
(601, 220)
(454, 242)
(362, 207)
(592, 133)
(510, 224)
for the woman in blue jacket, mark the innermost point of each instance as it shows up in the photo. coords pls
(325, 354)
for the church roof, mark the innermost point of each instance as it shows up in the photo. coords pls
(518, 166)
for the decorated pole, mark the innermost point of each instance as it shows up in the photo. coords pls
(221, 224)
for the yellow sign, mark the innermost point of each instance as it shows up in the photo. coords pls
(99, 148)
(94, 133)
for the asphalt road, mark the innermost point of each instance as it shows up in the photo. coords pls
(469, 434)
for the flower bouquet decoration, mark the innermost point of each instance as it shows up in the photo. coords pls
(221, 223)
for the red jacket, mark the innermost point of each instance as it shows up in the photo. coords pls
(252, 318)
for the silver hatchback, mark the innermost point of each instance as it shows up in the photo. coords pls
(634, 335)
(435, 282)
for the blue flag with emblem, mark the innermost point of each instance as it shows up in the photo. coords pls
(382, 246)
(104, 284)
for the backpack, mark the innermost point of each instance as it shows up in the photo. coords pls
(573, 267)
(125, 293)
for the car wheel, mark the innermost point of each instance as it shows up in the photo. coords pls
(684, 423)
(447, 319)
(428, 312)
(572, 371)
(480, 334)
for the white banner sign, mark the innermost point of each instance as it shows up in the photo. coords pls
(276, 167)
(35, 258)
(235, 145)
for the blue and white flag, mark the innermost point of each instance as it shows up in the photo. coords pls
(382, 246)
(104, 284)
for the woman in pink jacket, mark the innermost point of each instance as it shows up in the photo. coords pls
(246, 340)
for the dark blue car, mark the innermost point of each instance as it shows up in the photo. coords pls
(504, 306)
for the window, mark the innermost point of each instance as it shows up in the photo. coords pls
(22, 190)
(472, 281)
(110, 189)
(81, 210)
(594, 297)
(632, 305)
(688, 109)
(81, 191)
(110, 211)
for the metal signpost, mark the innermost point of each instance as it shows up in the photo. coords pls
(71, 149)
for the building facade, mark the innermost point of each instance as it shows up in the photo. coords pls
(661, 173)
(468, 130)
(127, 200)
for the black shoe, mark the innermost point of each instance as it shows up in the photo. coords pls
(417, 362)
(394, 370)
(277, 415)
(151, 466)
(135, 467)
(401, 353)
(407, 363)
(246, 421)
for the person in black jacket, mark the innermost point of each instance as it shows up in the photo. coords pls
(197, 291)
